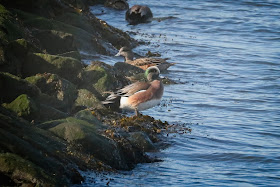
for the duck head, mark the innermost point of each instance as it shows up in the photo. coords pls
(126, 53)
(152, 73)
(138, 14)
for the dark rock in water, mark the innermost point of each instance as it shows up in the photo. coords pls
(138, 14)
(12, 86)
(142, 141)
(117, 4)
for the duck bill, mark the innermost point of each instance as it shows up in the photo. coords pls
(118, 54)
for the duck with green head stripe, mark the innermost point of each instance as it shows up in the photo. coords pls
(139, 95)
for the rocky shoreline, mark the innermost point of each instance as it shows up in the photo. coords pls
(52, 121)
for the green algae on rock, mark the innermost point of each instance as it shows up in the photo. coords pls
(66, 67)
(101, 77)
(128, 69)
(15, 53)
(55, 42)
(9, 29)
(57, 87)
(23, 171)
(13, 86)
(38, 146)
(72, 54)
(84, 134)
(23, 106)
(87, 99)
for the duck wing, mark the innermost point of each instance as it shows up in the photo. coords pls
(126, 91)
(147, 61)
(133, 88)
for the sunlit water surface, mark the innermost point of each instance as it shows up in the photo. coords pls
(228, 70)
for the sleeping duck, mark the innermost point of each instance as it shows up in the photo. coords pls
(138, 14)
(139, 95)
(143, 63)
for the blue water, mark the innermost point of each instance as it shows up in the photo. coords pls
(228, 69)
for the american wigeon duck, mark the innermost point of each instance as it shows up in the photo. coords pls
(143, 63)
(138, 14)
(139, 95)
(117, 4)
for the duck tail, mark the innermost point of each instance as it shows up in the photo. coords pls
(110, 99)
(165, 66)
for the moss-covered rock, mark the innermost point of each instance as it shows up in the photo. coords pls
(80, 132)
(79, 4)
(72, 54)
(23, 172)
(47, 153)
(55, 42)
(9, 29)
(101, 77)
(105, 36)
(15, 53)
(88, 116)
(52, 101)
(49, 113)
(127, 69)
(12, 86)
(140, 124)
(66, 67)
(57, 87)
(87, 99)
(48, 8)
(24, 107)
(84, 40)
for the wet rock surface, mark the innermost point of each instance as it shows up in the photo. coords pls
(52, 122)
